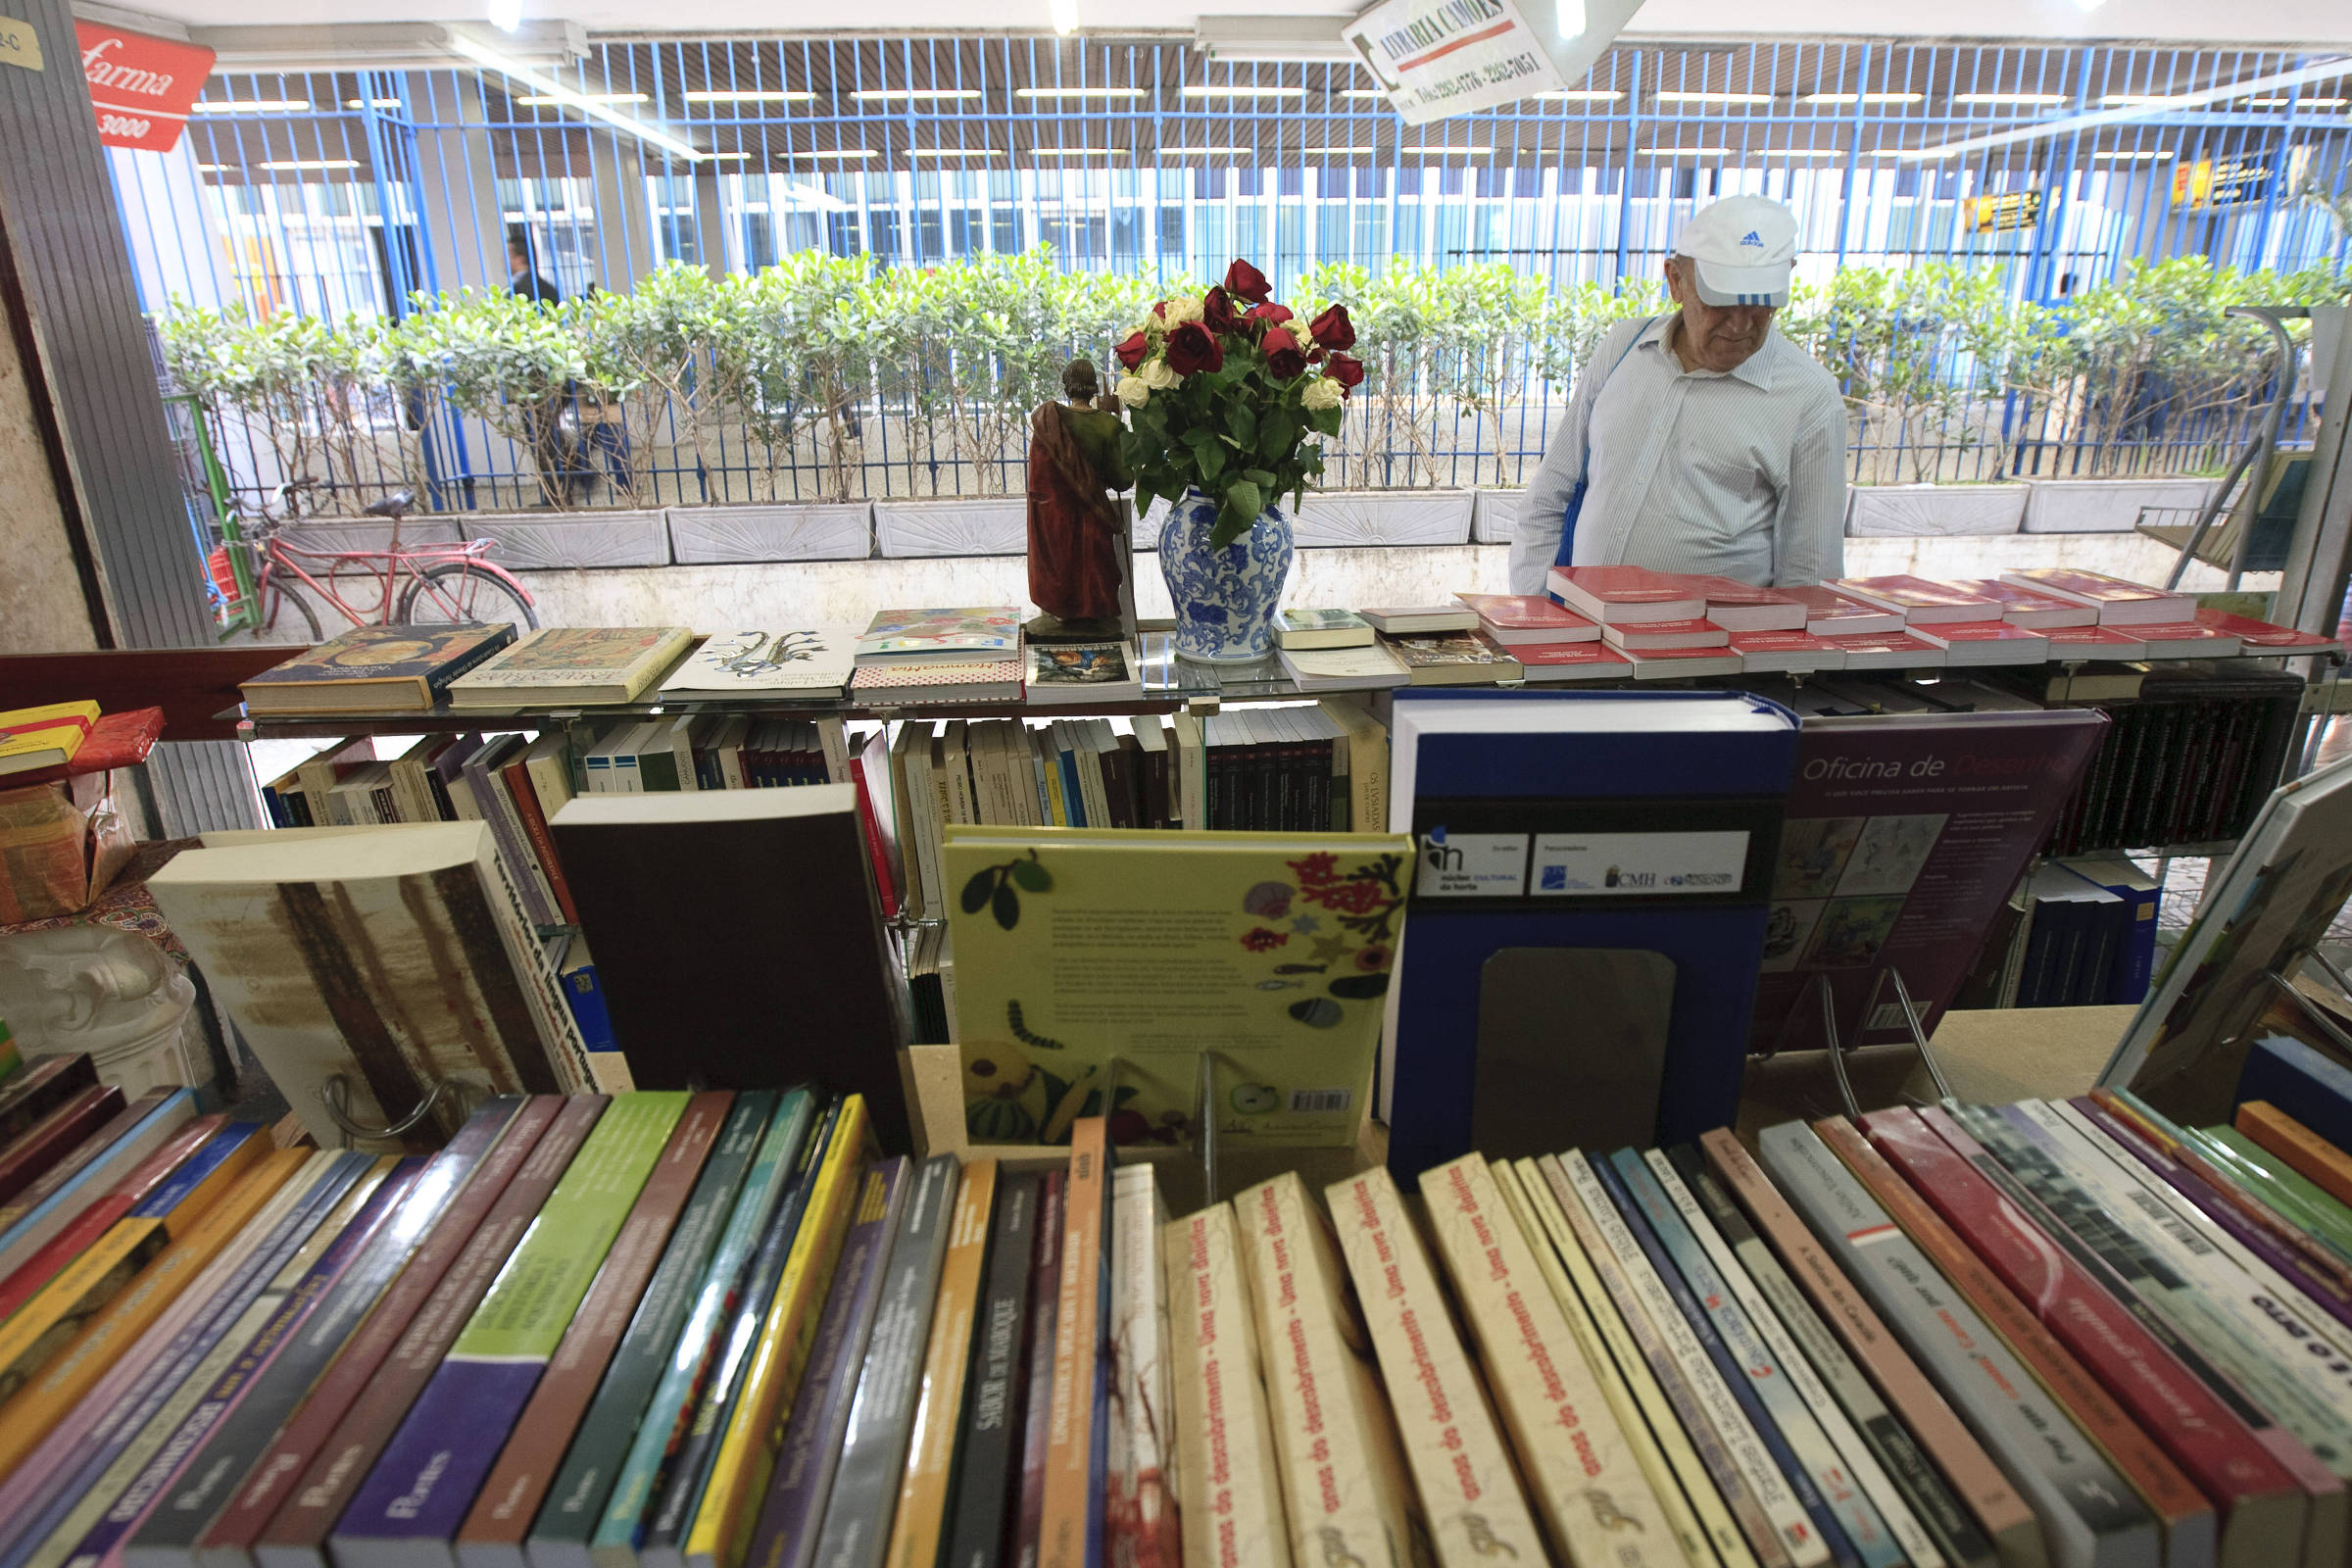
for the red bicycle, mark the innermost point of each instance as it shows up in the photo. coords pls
(413, 585)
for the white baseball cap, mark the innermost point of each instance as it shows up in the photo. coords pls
(1744, 247)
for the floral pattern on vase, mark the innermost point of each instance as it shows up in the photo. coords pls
(1224, 598)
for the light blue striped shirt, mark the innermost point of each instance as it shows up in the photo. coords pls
(1740, 473)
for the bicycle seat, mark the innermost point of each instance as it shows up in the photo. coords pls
(394, 506)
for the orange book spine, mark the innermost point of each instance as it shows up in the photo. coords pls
(2320, 1162)
(1070, 1531)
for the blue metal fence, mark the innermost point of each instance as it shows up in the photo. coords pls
(340, 194)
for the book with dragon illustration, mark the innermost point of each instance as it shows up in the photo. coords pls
(780, 661)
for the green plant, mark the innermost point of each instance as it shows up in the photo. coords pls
(500, 358)
(643, 355)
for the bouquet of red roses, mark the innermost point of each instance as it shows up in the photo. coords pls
(1222, 390)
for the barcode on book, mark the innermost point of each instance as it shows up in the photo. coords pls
(1314, 1101)
(1890, 1015)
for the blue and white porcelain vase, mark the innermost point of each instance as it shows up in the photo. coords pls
(1225, 598)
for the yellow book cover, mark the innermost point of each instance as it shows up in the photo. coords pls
(41, 737)
(1228, 1480)
(1678, 1431)
(1472, 1500)
(1070, 1515)
(1350, 1497)
(1272, 951)
(722, 1531)
(1593, 1497)
(1698, 1549)
(922, 1509)
(65, 1379)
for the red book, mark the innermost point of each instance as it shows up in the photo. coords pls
(2183, 639)
(875, 845)
(1736, 605)
(54, 1136)
(2094, 642)
(1890, 649)
(117, 740)
(1526, 621)
(1624, 596)
(93, 1222)
(1762, 652)
(1831, 614)
(2258, 1497)
(1592, 660)
(1922, 603)
(517, 774)
(1652, 636)
(2257, 636)
(352, 1374)
(2029, 606)
(1986, 642)
(2119, 603)
(1683, 664)
(298, 1531)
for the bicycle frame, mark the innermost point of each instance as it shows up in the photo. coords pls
(390, 567)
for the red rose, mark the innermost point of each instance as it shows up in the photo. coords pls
(1161, 309)
(1332, 330)
(1193, 348)
(1245, 282)
(1345, 369)
(1271, 315)
(1216, 312)
(1131, 352)
(1283, 357)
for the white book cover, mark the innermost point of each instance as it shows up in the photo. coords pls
(1139, 1513)
(1228, 1480)
(779, 661)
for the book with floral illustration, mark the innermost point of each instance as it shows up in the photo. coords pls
(766, 662)
(1268, 953)
(573, 664)
(972, 632)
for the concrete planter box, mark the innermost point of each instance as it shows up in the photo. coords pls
(1495, 519)
(830, 531)
(539, 541)
(368, 533)
(1371, 518)
(2108, 506)
(1933, 511)
(974, 527)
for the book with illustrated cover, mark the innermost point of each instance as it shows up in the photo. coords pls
(1083, 672)
(1285, 940)
(963, 635)
(1229, 1483)
(44, 737)
(810, 661)
(1453, 659)
(571, 664)
(1322, 628)
(375, 669)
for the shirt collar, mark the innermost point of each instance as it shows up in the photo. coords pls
(1756, 372)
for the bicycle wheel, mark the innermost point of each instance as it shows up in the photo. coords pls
(461, 591)
(277, 599)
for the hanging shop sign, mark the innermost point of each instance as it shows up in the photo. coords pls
(1435, 58)
(20, 45)
(2212, 183)
(142, 87)
(2015, 208)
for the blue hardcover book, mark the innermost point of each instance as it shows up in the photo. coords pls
(1567, 828)
(2135, 964)
(1073, 804)
(584, 994)
(2302, 1081)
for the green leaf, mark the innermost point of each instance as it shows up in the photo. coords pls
(1005, 905)
(1032, 876)
(1245, 500)
(978, 890)
(1242, 422)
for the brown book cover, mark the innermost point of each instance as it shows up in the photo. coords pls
(1071, 1522)
(518, 1484)
(525, 794)
(1982, 1490)
(297, 1534)
(228, 1542)
(54, 1135)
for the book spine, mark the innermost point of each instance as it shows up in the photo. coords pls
(506, 830)
(918, 1523)
(521, 784)
(795, 1510)
(2319, 1161)
(1857, 1520)
(54, 1136)
(981, 1471)
(1475, 1507)
(299, 1529)
(46, 1242)
(1037, 1396)
(112, 1143)
(47, 1085)
(425, 1480)
(1071, 1523)
(1227, 1473)
(859, 1512)
(1584, 1477)
(1145, 1535)
(788, 1158)
(745, 1457)
(1998, 1513)
(875, 848)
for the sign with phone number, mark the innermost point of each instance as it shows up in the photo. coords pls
(141, 87)
(1437, 58)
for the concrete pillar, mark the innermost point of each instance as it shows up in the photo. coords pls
(720, 241)
(457, 186)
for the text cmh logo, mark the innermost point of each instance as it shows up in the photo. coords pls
(1441, 855)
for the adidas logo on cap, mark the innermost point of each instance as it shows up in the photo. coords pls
(1751, 237)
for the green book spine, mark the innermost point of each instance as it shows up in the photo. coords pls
(2292, 1195)
(575, 1499)
(638, 1481)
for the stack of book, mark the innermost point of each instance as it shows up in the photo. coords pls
(960, 654)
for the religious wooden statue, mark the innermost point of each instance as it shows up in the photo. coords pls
(1080, 551)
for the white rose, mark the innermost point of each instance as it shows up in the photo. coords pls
(1181, 309)
(1133, 390)
(1159, 374)
(1322, 393)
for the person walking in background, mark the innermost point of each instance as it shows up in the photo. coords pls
(551, 448)
(525, 278)
(1699, 439)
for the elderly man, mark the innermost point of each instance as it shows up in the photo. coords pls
(1704, 441)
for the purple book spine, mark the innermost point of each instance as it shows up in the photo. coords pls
(820, 1412)
(506, 831)
(2220, 1210)
(426, 1480)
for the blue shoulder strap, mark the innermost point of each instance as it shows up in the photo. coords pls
(1576, 497)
